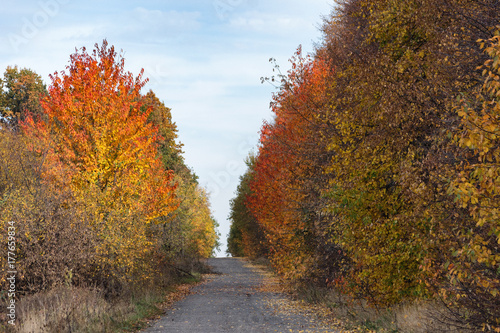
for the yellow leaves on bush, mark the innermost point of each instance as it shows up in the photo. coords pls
(477, 188)
(52, 229)
(200, 228)
(478, 185)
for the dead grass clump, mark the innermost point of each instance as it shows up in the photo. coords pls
(67, 309)
(71, 309)
(426, 316)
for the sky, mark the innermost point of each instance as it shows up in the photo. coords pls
(204, 60)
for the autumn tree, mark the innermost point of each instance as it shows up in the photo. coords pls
(52, 234)
(285, 198)
(97, 134)
(197, 225)
(400, 65)
(55, 243)
(189, 233)
(169, 148)
(95, 180)
(357, 165)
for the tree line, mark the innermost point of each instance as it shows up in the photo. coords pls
(379, 172)
(93, 179)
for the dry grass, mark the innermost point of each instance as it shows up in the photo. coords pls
(357, 315)
(71, 309)
(67, 309)
(420, 317)
(429, 316)
(64, 310)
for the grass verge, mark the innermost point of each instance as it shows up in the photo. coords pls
(73, 309)
(347, 315)
(426, 316)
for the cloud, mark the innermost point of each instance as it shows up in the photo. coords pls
(172, 19)
(157, 25)
(271, 23)
(71, 33)
(139, 25)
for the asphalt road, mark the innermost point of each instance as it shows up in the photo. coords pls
(235, 300)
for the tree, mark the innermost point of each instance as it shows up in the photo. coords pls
(190, 233)
(161, 117)
(355, 169)
(22, 90)
(399, 66)
(246, 237)
(97, 184)
(284, 196)
(96, 134)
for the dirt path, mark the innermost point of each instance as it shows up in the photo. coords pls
(239, 299)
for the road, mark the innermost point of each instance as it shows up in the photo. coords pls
(238, 299)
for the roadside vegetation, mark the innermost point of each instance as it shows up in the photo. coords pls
(100, 214)
(375, 187)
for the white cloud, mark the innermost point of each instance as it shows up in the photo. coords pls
(172, 19)
(71, 33)
(270, 23)
(156, 26)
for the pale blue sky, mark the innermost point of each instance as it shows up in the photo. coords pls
(204, 59)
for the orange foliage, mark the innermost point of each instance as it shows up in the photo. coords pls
(97, 140)
(285, 161)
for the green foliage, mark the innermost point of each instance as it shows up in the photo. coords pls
(21, 92)
(246, 237)
(161, 117)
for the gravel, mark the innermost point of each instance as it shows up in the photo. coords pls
(234, 300)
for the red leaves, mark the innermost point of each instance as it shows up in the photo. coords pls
(286, 159)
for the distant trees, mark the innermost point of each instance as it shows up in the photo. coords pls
(377, 174)
(191, 230)
(246, 237)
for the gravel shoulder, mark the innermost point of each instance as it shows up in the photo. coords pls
(239, 298)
